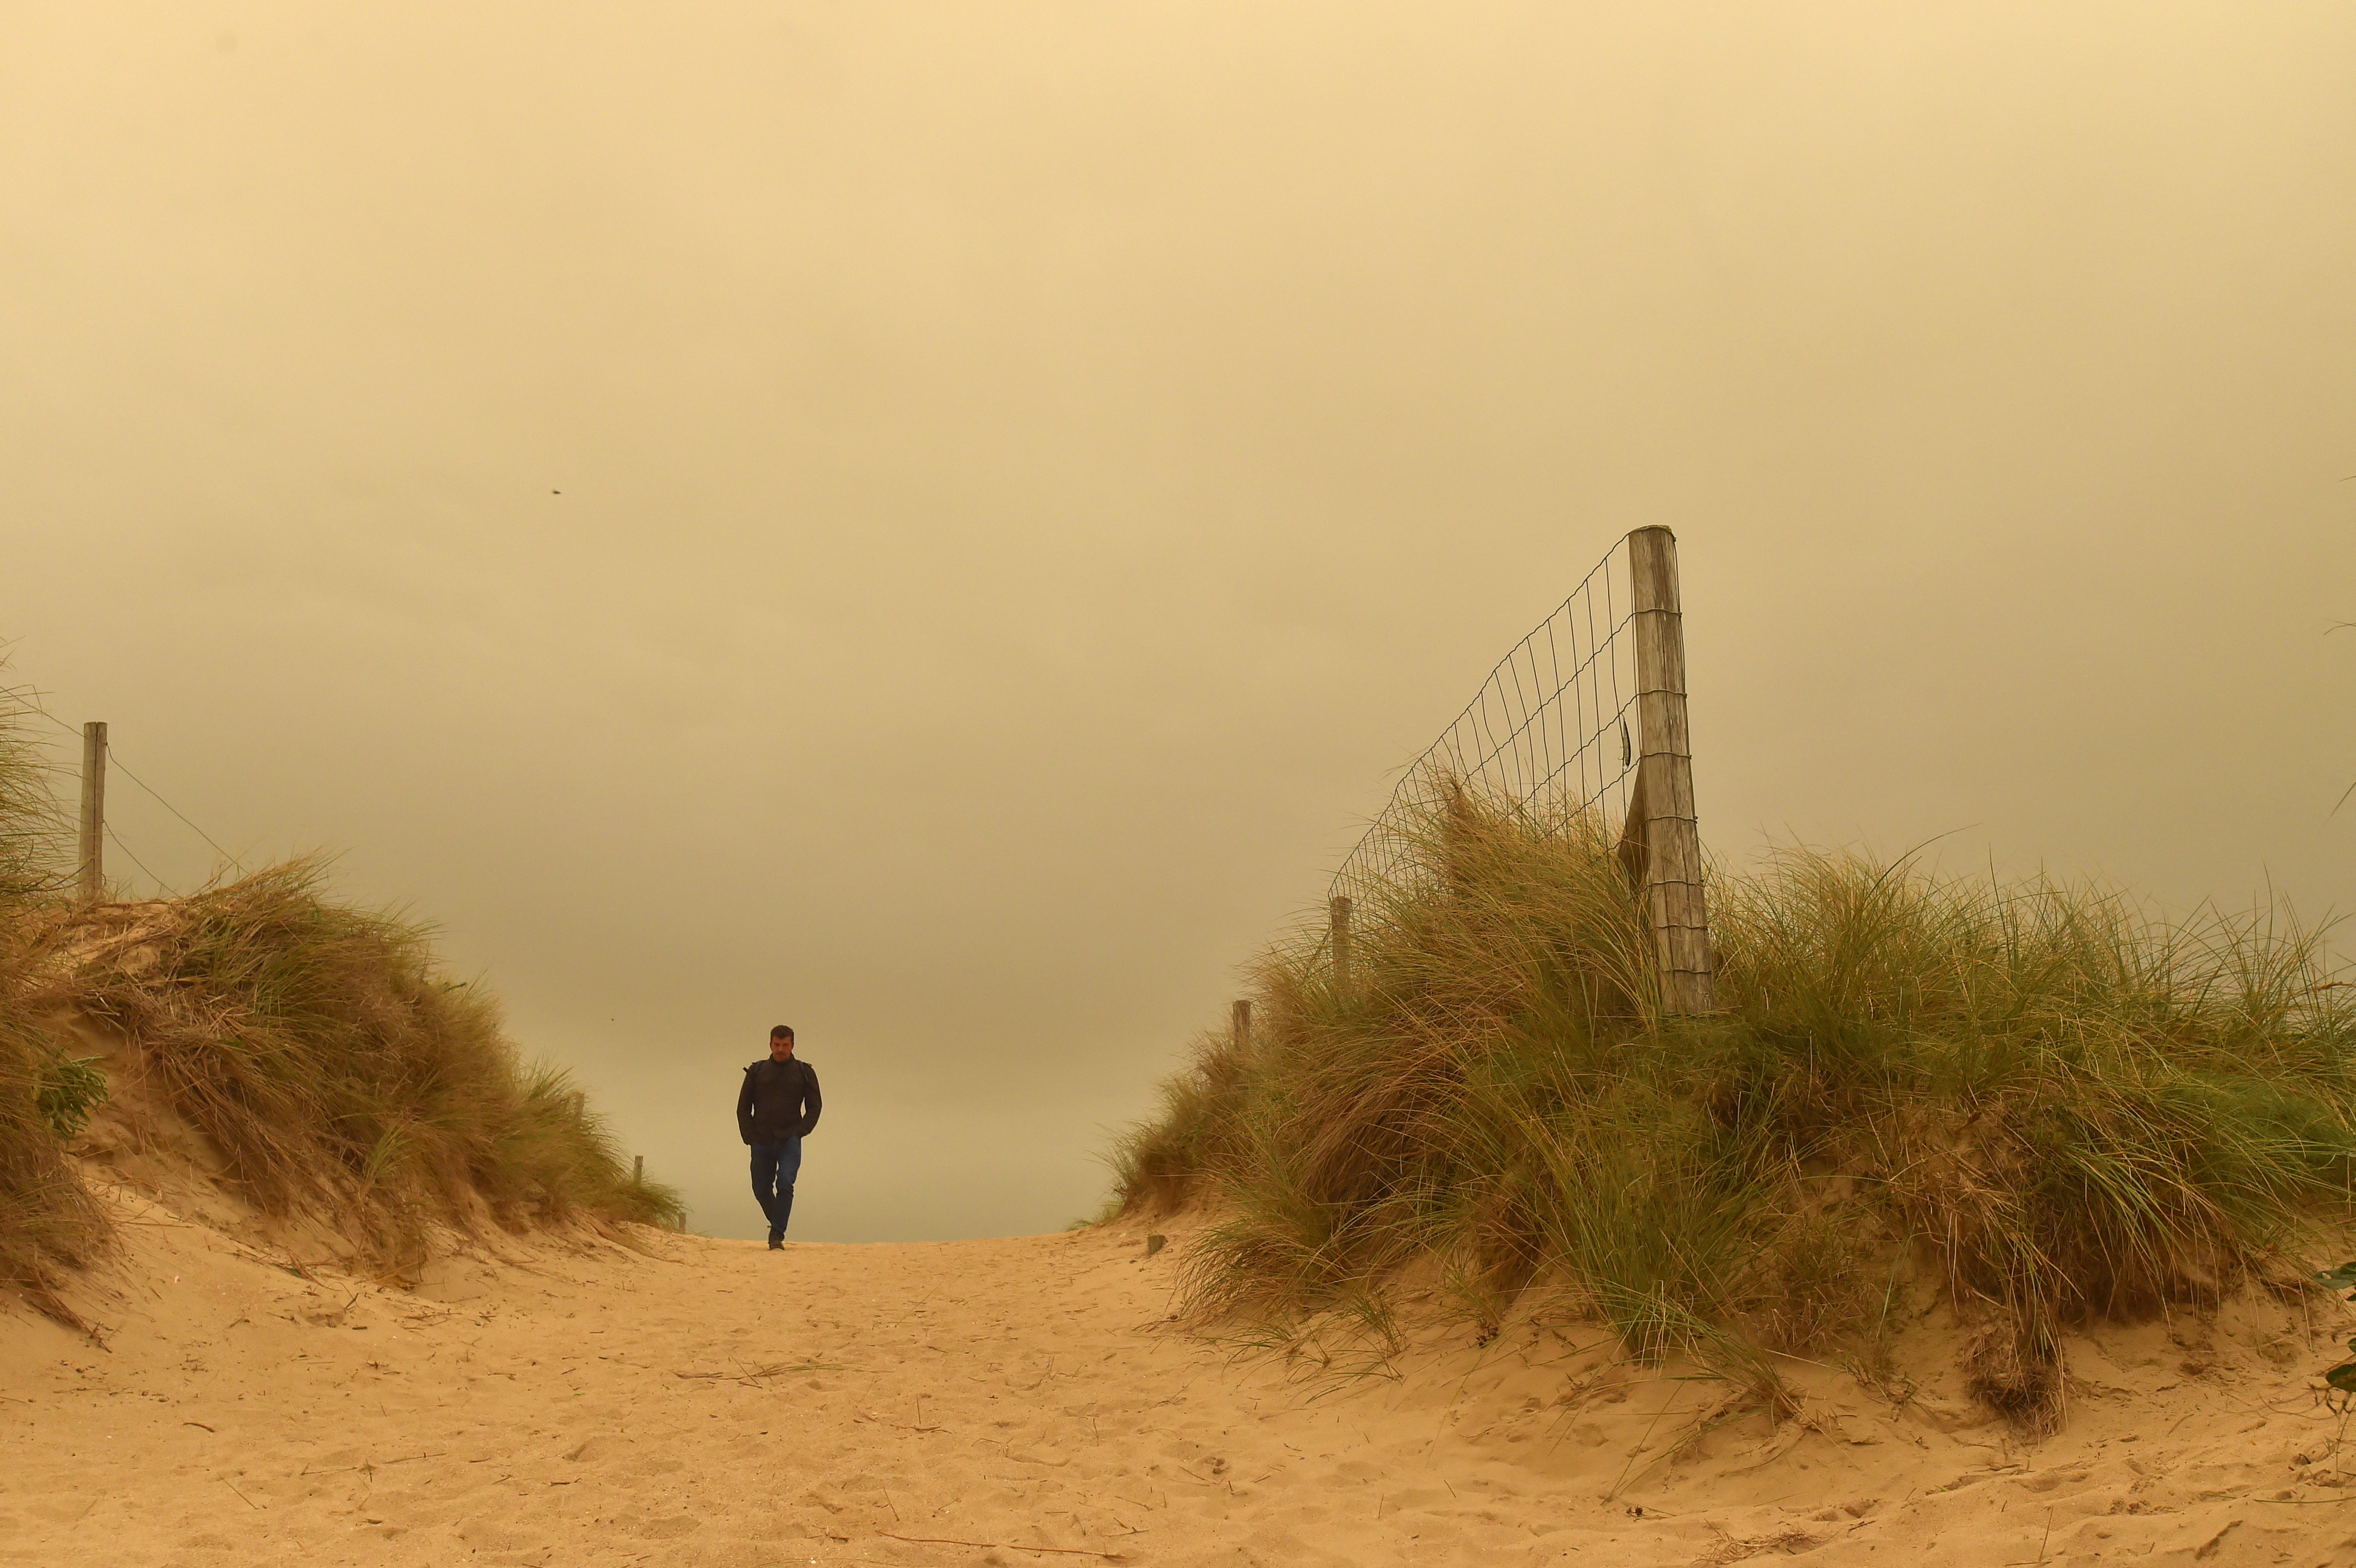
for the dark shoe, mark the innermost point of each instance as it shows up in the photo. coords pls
(776, 1243)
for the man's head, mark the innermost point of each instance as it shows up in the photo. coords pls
(781, 1043)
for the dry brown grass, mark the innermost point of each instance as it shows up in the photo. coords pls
(320, 1050)
(336, 1069)
(50, 1225)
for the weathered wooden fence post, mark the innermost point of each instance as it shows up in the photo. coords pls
(639, 1172)
(1239, 1025)
(1337, 918)
(93, 811)
(1663, 799)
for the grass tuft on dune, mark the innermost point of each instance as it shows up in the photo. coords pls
(2031, 1098)
(48, 1224)
(319, 1051)
(338, 1070)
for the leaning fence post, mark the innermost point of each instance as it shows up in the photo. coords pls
(1664, 795)
(93, 811)
(1337, 916)
(1239, 1024)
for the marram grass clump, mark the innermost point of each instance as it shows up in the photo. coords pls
(2030, 1097)
(318, 1051)
(50, 1225)
(338, 1070)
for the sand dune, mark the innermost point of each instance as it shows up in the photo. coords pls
(567, 1400)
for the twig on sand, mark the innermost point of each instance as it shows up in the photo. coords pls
(751, 1376)
(1622, 1478)
(374, 1465)
(2043, 1544)
(1005, 1546)
(249, 1502)
(2301, 1502)
(214, 1430)
(896, 1425)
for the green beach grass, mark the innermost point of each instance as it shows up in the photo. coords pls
(2031, 1098)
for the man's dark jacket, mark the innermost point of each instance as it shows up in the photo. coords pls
(779, 1101)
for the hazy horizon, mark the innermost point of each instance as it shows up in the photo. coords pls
(937, 525)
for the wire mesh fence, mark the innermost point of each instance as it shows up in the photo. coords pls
(1583, 722)
(1551, 729)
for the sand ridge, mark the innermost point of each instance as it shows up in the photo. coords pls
(565, 1399)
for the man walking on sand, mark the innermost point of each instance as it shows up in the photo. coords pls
(775, 1111)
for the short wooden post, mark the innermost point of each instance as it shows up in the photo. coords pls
(1337, 928)
(93, 811)
(580, 1105)
(1670, 840)
(639, 1172)
(1239, 1024)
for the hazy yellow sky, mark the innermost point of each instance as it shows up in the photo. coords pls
(936, 522)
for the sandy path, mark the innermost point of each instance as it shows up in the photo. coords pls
(719, 1405)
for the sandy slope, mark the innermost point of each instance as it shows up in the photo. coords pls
(715, 1403)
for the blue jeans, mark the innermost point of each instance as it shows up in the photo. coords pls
(775, 1166)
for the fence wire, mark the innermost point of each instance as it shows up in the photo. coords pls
(1549, 730)
(65, 785)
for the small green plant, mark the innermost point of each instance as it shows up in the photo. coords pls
(2343, 1376)
(70, 1089)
